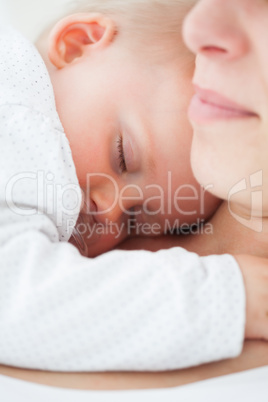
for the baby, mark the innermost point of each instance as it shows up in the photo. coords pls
(105, 114)
(115, 101)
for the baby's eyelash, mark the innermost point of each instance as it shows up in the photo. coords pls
(121, 156)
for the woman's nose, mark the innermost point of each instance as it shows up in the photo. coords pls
(213, 29)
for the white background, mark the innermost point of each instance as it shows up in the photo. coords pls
(31, 17)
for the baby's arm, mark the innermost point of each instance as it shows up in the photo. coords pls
(120, 311)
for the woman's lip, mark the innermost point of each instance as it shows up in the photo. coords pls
(207, 106)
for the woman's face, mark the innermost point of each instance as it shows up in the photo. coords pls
(229, 112)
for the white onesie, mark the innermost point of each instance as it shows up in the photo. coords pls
(133, 310)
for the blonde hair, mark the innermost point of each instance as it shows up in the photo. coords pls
(142, 20)
(142, 14)
(154, 25)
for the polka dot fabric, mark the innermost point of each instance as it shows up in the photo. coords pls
(61, 311)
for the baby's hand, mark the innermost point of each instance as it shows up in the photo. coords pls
(255, 273)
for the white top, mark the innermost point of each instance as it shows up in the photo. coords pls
(60, 311)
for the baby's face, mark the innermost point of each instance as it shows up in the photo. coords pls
(126, 121)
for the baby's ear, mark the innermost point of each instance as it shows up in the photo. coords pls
(78, 34)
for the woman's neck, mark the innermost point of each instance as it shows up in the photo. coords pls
(232, 230)
(237, 231)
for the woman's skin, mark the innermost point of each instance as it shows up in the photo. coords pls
(229, 114)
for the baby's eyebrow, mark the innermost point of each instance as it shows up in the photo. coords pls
(144, 148)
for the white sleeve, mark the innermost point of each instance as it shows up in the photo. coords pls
(125, 310)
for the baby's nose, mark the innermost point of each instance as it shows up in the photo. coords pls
(111, 202)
